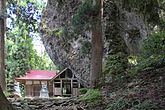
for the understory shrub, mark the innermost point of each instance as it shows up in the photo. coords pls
(153, 55)
(115, 67)
(154, 45)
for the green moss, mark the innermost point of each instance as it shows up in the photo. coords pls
(55, 32)
(92, 96)
(83, 90)
(116, 64)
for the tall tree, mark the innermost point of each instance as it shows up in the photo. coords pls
(2, 37)
(97, 46)
(89, 16)
(4, 103)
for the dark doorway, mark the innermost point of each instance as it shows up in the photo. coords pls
(66, 86)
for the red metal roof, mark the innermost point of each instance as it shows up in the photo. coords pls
(38, 75)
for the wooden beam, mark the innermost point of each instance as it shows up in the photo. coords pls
(66, 78)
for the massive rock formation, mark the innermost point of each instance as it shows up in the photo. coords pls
(123, 31)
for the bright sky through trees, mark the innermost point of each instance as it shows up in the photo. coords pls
(38, 45)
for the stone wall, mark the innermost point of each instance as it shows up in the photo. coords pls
(45, 104)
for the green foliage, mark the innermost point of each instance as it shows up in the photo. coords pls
(92, 96)
(21, 55)
(153, 54)
(19, 49)
(115, 68)
(151, 11)
(151, 62)
(147, 8)
(83, 90)
(84, 15)
(154, 45)
(132, 60)
(116, 64)
(86, 47)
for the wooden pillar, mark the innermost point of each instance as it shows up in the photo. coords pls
(78, 87)
(72, 87)
(40, 86)
(53, 88)
(25, 89)
(61, 87)
(32, 89)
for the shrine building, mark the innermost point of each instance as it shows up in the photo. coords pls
(63, 83)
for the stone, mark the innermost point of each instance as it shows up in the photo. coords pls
(17, 104)
(33, 106)
(44, 91)
(44, 104)
(17, 90)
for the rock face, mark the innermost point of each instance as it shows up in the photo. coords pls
(123, 31)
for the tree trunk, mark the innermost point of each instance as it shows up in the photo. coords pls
(2, 37)
(97, 48)
(4, 103)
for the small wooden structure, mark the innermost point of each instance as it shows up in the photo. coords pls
(33, 81)
(58, 84)
(65, 84)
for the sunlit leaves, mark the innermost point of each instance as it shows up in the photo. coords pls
(21, 56)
